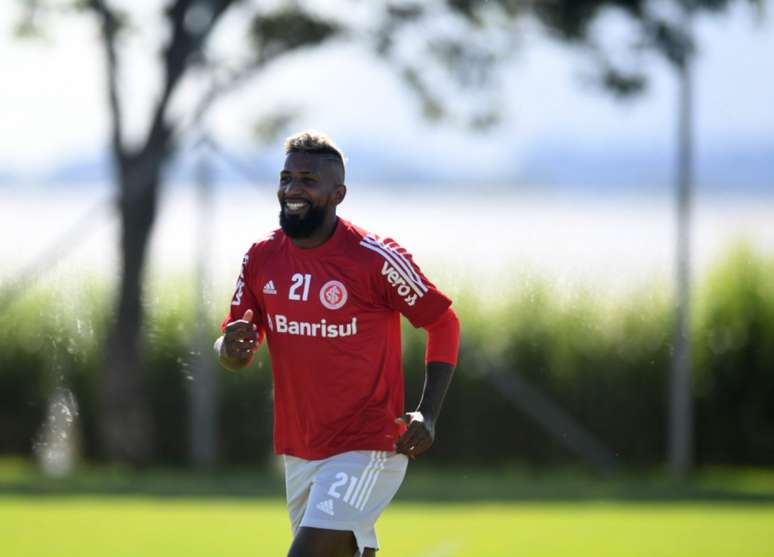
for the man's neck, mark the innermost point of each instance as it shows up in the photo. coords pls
(320, 236)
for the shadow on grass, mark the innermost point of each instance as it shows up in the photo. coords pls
(423, 484)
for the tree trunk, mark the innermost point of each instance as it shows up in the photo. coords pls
(126, 426)
(681, 397)
(204, 400)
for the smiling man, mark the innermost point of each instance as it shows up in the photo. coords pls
(327, 296)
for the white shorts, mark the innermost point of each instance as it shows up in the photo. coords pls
(347, 491)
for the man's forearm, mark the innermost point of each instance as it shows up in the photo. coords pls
(441, 356)
(438, 377)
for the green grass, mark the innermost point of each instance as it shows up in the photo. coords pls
(438, 513)
(119, 526)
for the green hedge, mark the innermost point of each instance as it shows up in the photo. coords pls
(604, 360)
(734, 347)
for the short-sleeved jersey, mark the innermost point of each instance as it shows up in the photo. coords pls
(331, 317)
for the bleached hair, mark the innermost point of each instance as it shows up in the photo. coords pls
(312, 141)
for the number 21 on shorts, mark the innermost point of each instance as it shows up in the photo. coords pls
(354, 492)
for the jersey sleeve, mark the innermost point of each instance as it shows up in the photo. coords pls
(244, 298)
(443, 339)
(402, 284)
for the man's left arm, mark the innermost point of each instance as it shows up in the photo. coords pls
(443, 339)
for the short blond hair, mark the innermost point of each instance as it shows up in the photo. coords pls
(315, 142)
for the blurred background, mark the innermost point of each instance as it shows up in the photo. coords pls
(591, 181)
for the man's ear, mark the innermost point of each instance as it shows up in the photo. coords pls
(340, 193)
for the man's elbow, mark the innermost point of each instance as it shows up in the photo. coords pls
(443, 339)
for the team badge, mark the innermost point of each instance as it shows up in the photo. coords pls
(333, 294)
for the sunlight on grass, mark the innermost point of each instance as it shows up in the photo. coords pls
(150, 527)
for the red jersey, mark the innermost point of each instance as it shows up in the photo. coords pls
(331, 317)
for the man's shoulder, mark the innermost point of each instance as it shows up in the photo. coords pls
(353, 232)
(373, 247)
(265, 246)
(360, 243)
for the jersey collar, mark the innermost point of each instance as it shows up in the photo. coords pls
(327, 247)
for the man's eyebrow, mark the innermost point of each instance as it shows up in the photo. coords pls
(309, 172)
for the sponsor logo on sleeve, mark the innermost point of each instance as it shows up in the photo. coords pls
(401, 285)
(398, 270)
(240, 283)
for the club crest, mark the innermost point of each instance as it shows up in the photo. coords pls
(333, 294)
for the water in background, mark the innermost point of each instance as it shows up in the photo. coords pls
(484, 240)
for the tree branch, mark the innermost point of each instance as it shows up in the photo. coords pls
(109, 26)
(220, 88)
(187, 39)
(273, 35)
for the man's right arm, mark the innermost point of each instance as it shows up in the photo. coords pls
(239, 342)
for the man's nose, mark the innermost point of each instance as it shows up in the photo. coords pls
(293, 186)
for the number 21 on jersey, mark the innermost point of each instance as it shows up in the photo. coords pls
(298, 281)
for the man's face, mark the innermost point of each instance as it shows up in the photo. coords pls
(310, 187)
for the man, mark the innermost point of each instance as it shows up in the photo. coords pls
(328, 296)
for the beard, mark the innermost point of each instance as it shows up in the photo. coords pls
(297, 227)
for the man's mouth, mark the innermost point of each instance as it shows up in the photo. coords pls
(295, 206)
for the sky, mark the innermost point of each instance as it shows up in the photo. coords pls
(55, 110)
(55, 105)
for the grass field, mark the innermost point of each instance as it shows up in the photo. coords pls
(115, 526)
(437, 514)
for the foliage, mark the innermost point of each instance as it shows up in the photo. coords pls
(734, 347)
(604, 360)
(187, 54)
(605, 363)
(659, 26)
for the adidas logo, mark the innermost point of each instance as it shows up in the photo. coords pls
(326, 506)
(269, 288)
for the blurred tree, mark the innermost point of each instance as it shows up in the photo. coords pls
(283, 28)
(126, 427)
(426, 42)
(666, 28)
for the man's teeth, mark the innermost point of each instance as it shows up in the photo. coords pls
(295, 205)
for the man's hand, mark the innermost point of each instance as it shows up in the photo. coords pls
(421, 423)
(419, 436)
(239, 342)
